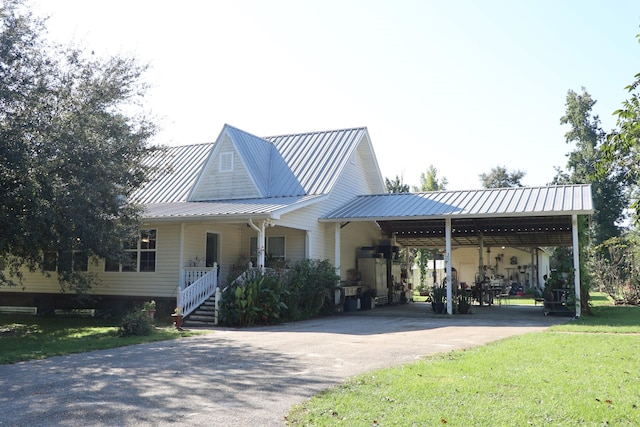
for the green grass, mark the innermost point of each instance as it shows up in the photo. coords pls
(581, 373)
(30, 337)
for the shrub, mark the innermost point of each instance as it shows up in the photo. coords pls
(257, 301)
(310, 288)
(135, 323)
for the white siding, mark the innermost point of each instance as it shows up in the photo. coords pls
(352, 182)
(225, 185)
(352, 237)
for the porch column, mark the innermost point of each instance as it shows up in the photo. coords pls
(181, 260)
(448, 264)
(576, 261)
(480, 283)
(336, 256)
(261, 242)
(307, 244)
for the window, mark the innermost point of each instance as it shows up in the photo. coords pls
(275, 249)
(141, 254)
(226, 162)
(50, 261)
(79, 261)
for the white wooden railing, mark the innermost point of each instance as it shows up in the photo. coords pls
(198, 285)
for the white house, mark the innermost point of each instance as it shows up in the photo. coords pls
(242, 197)
(316, 195)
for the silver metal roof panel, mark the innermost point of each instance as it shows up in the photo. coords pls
(498, 202)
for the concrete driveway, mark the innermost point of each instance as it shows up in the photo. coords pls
(247, 377)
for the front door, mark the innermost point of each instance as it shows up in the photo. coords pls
(213, 249)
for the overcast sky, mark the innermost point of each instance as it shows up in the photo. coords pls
(464, 85)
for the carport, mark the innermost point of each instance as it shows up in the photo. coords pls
(516, 217)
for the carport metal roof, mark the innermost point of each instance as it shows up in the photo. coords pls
(517, 217)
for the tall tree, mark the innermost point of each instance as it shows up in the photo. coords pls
(72, 135)
(609, 196)
(500, 177)
(621, 149)
(396, 185)
(429, 181)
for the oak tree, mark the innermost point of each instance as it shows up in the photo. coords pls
(72, 135)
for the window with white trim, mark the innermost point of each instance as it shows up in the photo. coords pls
(141, 254)
(79, 261)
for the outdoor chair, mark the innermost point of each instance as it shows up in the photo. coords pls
(504, 294)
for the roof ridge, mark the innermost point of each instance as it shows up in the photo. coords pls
(288, 135)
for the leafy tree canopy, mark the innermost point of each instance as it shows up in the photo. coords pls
(500, 177)
(608, 191)
(72, 134)
(621, 149)
(396, 185)
(429, 181)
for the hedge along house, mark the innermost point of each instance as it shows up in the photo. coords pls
(519, 217)
(210, 208)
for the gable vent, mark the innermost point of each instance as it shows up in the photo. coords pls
(226, 162)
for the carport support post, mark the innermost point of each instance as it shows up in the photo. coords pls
(336, 256)
(448, 264)
(576, 262)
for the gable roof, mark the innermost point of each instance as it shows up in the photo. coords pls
(317, 158)
(289, 167)
(174, 171)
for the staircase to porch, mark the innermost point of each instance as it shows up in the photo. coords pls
(204, 315)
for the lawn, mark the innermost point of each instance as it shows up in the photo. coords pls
(33, 337)
(583, 373)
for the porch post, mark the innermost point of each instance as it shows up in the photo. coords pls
(181, 260)
(260, 244)
(307, 244)
(576, 262)
(336, 262)
(448, 264)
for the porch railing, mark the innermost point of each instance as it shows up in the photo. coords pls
(198, 286)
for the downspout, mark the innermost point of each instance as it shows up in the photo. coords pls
(261, 243)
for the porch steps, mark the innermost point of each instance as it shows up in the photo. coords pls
(203, 315)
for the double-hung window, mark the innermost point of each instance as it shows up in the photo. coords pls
(141, 254)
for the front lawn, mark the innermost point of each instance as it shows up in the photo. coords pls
(33, 337)
(585, 372)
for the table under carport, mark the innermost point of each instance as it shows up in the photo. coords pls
(515, 217)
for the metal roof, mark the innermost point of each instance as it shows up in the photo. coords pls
(281, 166)
(317, 158)
(174, 171)
(520, 216)
(258, 208)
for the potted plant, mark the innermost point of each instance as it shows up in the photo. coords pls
(149, 307)
(464, 304)
(438, 295)
(177, 318)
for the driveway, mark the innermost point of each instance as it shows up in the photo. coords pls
(240, 377)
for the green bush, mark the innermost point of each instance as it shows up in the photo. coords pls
(309, 287)
(257, 301)
(135, 323)
(303, 292)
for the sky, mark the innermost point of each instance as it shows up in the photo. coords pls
(462, 85)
